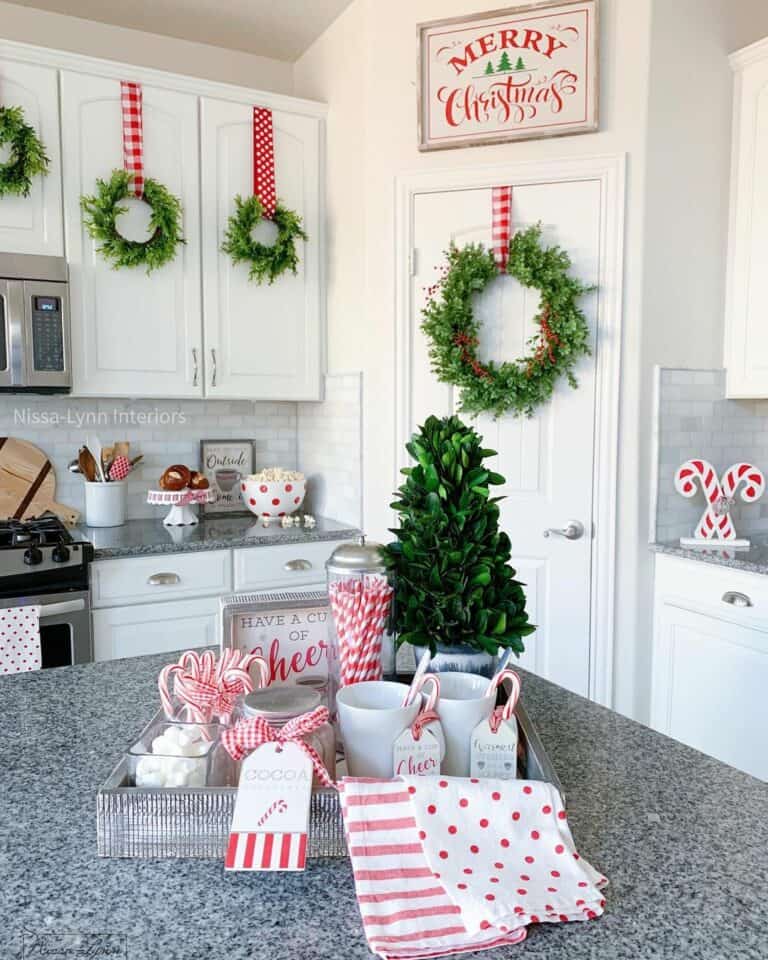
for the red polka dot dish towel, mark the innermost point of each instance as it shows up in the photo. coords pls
(20, 639)
(447, 865)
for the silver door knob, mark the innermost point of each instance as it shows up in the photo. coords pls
(573, 530)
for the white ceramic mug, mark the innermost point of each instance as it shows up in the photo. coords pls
(371, 718)
(464, 702)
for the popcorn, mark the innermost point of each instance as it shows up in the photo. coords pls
(276, 475)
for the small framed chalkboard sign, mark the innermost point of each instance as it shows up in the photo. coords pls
(225, 463)
(288, 628)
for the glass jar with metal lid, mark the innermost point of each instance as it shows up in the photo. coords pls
(360, 643)
(278, 705)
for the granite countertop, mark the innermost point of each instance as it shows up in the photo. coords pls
(137, 538)
(753, 559)
(681, 837)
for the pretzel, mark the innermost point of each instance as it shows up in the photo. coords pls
(176, 477)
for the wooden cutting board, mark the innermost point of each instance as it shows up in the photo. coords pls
(28, 483)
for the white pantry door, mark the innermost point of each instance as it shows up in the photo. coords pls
(547, 459)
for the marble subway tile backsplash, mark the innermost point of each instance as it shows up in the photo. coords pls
(164, 431)
(695, 420)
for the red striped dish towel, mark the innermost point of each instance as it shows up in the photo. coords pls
(443, 865)
(20, 639)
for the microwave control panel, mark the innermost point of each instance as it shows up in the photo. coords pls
(47, 334)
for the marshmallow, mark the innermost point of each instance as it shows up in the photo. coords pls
(177, 759)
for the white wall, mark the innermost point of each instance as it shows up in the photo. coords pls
(93, 39)
(364, 66)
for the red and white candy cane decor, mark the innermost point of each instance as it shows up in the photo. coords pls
(251, 733)
(501, 228)
(428, 712)
(264, 161)
(716, 525)
(131, 102)
(360, 611)
(507, 710)
(205, 689)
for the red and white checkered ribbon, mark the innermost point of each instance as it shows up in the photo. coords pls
(264, 160)
(133, 133)
(249, 734)
(501, 203)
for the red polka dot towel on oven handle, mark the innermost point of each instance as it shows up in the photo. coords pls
(20, 639)
(447, 865)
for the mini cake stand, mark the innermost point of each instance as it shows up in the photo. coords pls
(180, 502)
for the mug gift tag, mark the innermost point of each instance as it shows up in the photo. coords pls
(493, 747)
(270, 822)
(417, 751)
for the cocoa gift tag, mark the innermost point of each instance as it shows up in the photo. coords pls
(494, 755)
(416, 758)
(270, 822)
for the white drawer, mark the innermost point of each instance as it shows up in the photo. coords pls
(167, 576)
(146, 628)
(708, 587)
(284, 566)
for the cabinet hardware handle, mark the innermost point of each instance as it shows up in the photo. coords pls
(196, 369)
(294, 565)
(213, 368)
(737, 599)
(573, 530)
(163, 579)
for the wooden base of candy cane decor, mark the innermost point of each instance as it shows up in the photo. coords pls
(715, 544)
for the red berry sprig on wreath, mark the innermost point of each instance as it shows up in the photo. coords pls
(520, 386)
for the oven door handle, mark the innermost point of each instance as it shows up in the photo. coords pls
(57, 609)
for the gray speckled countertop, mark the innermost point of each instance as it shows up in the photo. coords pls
(681, 837)
(137, 538)
(753, 559)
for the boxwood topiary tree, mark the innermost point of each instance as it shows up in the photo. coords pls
(452, 577)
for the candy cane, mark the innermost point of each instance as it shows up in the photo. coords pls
(505, 712)
(747, 474)
(163, 681)
(428, 710)
(711, 524)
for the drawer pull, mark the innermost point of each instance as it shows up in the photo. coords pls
(737, 599)
(163, 579)
(292, 566)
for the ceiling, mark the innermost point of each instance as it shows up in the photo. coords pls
(282, 29)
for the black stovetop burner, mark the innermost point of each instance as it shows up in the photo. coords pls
(42, 531)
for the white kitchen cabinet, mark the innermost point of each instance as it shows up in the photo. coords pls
(282, 567)
(746, 332)
(710, 660)
(160, 577)
(147, 628)
(261, 341)
(133, 334)
(33, 224)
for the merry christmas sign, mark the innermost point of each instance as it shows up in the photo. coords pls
(509, 75)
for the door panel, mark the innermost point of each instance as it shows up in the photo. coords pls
(133, 334)
(34, 224)
(547, 459)
(267, 338)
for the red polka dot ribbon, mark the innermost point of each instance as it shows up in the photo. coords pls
(501, 230)
(131, 102)
(264, 160)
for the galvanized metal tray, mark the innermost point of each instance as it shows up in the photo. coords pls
(186, 822)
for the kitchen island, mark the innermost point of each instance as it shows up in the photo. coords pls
(682, 839)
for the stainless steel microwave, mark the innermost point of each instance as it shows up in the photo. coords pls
(34, 325)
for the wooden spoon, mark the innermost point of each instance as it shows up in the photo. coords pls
(87, 464)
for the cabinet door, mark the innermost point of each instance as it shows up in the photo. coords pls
(262, 341)
(133, 334)
(710, 678)
(33, 224)
(746, 332)
(155, 628)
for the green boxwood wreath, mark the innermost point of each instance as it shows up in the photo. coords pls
(101, 210)
(516, 387)
(27, 159)
(267, 261)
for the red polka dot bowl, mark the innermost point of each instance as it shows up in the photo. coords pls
(272, 498)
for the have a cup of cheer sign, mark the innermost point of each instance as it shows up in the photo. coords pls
(515, 74)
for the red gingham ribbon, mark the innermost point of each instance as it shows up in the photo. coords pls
(133, 133)
(501, 203)
(241, 740)
(264, 160)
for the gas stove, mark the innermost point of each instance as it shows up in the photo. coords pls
(41, 556)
